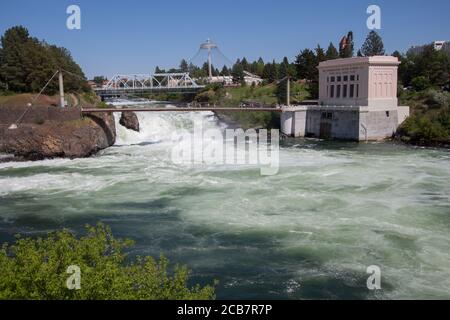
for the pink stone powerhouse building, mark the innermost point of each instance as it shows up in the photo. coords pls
(357, 101)
(367, 81)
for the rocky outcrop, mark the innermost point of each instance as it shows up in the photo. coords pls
(74, 138)
(129, 120)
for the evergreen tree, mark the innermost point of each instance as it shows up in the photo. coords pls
(266, 75)
(273, 72)
(245, 64)
(332, 52)
(225, 71)
(238, 72)
(306, 63)
(158, 70)
(281, 91)
(27, 64)
(373, 46)
(13, 69)
(260, 67)
(320, 54)
(184, 67)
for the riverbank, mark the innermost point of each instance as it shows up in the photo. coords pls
(46, 131)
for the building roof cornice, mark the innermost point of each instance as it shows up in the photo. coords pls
(349, 62)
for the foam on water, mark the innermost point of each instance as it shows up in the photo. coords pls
(308, 232)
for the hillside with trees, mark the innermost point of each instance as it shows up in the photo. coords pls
(26, 64)
(424, 86)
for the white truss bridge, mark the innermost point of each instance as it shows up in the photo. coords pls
(149, 83)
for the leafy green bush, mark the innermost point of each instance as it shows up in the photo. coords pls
(420, 83)
(437, 99)
(419, 128)
(37, 269)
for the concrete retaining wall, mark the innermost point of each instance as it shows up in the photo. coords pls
(346, 123)
(378, 125)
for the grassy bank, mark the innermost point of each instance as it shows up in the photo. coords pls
(85, 99)
(265, 95)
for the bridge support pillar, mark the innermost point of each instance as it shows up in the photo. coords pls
(293, 121)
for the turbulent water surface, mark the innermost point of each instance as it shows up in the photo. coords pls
(310, 231)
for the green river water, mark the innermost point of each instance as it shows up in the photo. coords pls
(309, 231)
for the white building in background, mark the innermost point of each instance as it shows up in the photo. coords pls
(437, 45)
(225, 80)
(252, 79)
(357, 101)
(249, 79)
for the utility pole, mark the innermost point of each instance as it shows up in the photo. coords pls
(288, 88)
(61, 89)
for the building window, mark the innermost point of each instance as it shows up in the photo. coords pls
(339, 79)
(357, 90)
(357, 77)
(345, 78)
(333, 79)
(352, 91)
(338, 91)
(332, 91)
(352, 78)
(344, 91)
(329, 115)
(388, 114)
(324, 115)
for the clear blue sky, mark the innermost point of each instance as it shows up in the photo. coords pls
(134, 36)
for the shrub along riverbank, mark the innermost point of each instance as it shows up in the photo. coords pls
(429, 123)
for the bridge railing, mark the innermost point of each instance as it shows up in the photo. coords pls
(150, 81)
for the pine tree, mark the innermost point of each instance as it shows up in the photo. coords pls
(373, 46)
(237, 72)
(282, 84)
(184, 66)
(245, 64)
(27, 64)
(260, 67)
(332, 52)
(274, 71)
(306, 63)
(266, 72)
(225, 71)
(320, 54)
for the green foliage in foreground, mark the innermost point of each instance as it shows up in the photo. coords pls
(36, 269)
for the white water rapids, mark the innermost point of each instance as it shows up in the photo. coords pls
(310, 231)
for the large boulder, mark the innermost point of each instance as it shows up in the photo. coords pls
(77, 138)
(129, 120)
